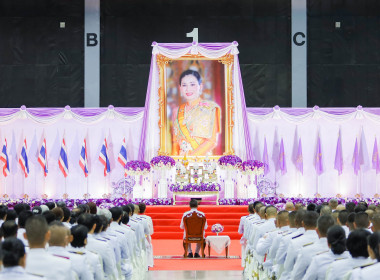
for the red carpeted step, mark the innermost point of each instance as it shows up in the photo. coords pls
(208, 215)
(167, 218)
(175, 228)
(210, 222)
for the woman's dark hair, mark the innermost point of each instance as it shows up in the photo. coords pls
(125, 219)
(19, 208)
(13, 250)
(311, 207)
(190, 72)
(79, 234)
(142, 207)
(126, 209)
(11, 215)
(374, 242)
(50, 204)
(99, 224)
(357, 243)
(336, 237)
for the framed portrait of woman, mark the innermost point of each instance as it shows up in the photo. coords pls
(195, 106)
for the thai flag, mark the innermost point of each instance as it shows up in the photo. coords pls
(23, 159)
(103, 157)
(42, 157)
(83, 158)
(123, 154)
(4, 158)
(62, 161)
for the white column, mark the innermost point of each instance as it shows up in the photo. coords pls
(92, 53)
(299, 53)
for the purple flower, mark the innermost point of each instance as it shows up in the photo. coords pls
(162, 161)
(202, 187)
(137, 166)
(230, 161)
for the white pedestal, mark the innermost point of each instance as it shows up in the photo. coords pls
(229, 186)
(162, 191)
(252, 191)
(147, 189)
(138, 190)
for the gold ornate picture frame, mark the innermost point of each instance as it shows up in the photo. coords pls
(163, 123)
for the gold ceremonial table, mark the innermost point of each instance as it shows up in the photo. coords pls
(194, 194)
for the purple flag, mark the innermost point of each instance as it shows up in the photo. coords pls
(265, 158)
(355, 158)
(281, 158)
(338, 164)
(318, 157)
(375, 158)
(299, 160)
(365, 162)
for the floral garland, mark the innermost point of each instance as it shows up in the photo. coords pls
(202, 187)
(217, 228)
(229, 162)
(103, 202)
(162, 162)
(137, 167)
(252, 167)
(276, 201)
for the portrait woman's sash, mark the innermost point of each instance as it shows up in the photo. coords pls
(184, 130)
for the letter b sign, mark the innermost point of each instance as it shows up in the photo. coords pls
(92, 39)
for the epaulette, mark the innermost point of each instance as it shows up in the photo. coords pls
(67, 258)
(276, 229)
(35, 274)
(365, 265)
(78, 253)
(320, 253)
(100, 239)
(119, 231)
(339, 259)
(294, 237)
(105, 238)
(287, 233)
(307, 244)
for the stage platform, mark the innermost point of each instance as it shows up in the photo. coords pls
(167, 219)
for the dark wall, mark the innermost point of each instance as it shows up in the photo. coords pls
(41, 64)
(344, 64)
(262, 28)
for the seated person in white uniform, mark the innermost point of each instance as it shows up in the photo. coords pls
(193, 208)
(14, 259)
(336, 240)
(357, 246)
(38, 260)
(370, 271)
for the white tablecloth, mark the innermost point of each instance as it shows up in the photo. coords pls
(218, 243)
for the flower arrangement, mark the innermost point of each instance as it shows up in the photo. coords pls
(137, 167)
(217, 228)
(106, 205)
(229, 162)
(162, 162)
(202, 187)
(252, 167)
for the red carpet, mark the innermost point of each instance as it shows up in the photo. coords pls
(166, 219)
(174, 248)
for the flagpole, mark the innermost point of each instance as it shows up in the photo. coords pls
(87, 185)
(5, 185)
(65, 185)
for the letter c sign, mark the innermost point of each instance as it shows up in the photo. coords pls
(300, 42)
